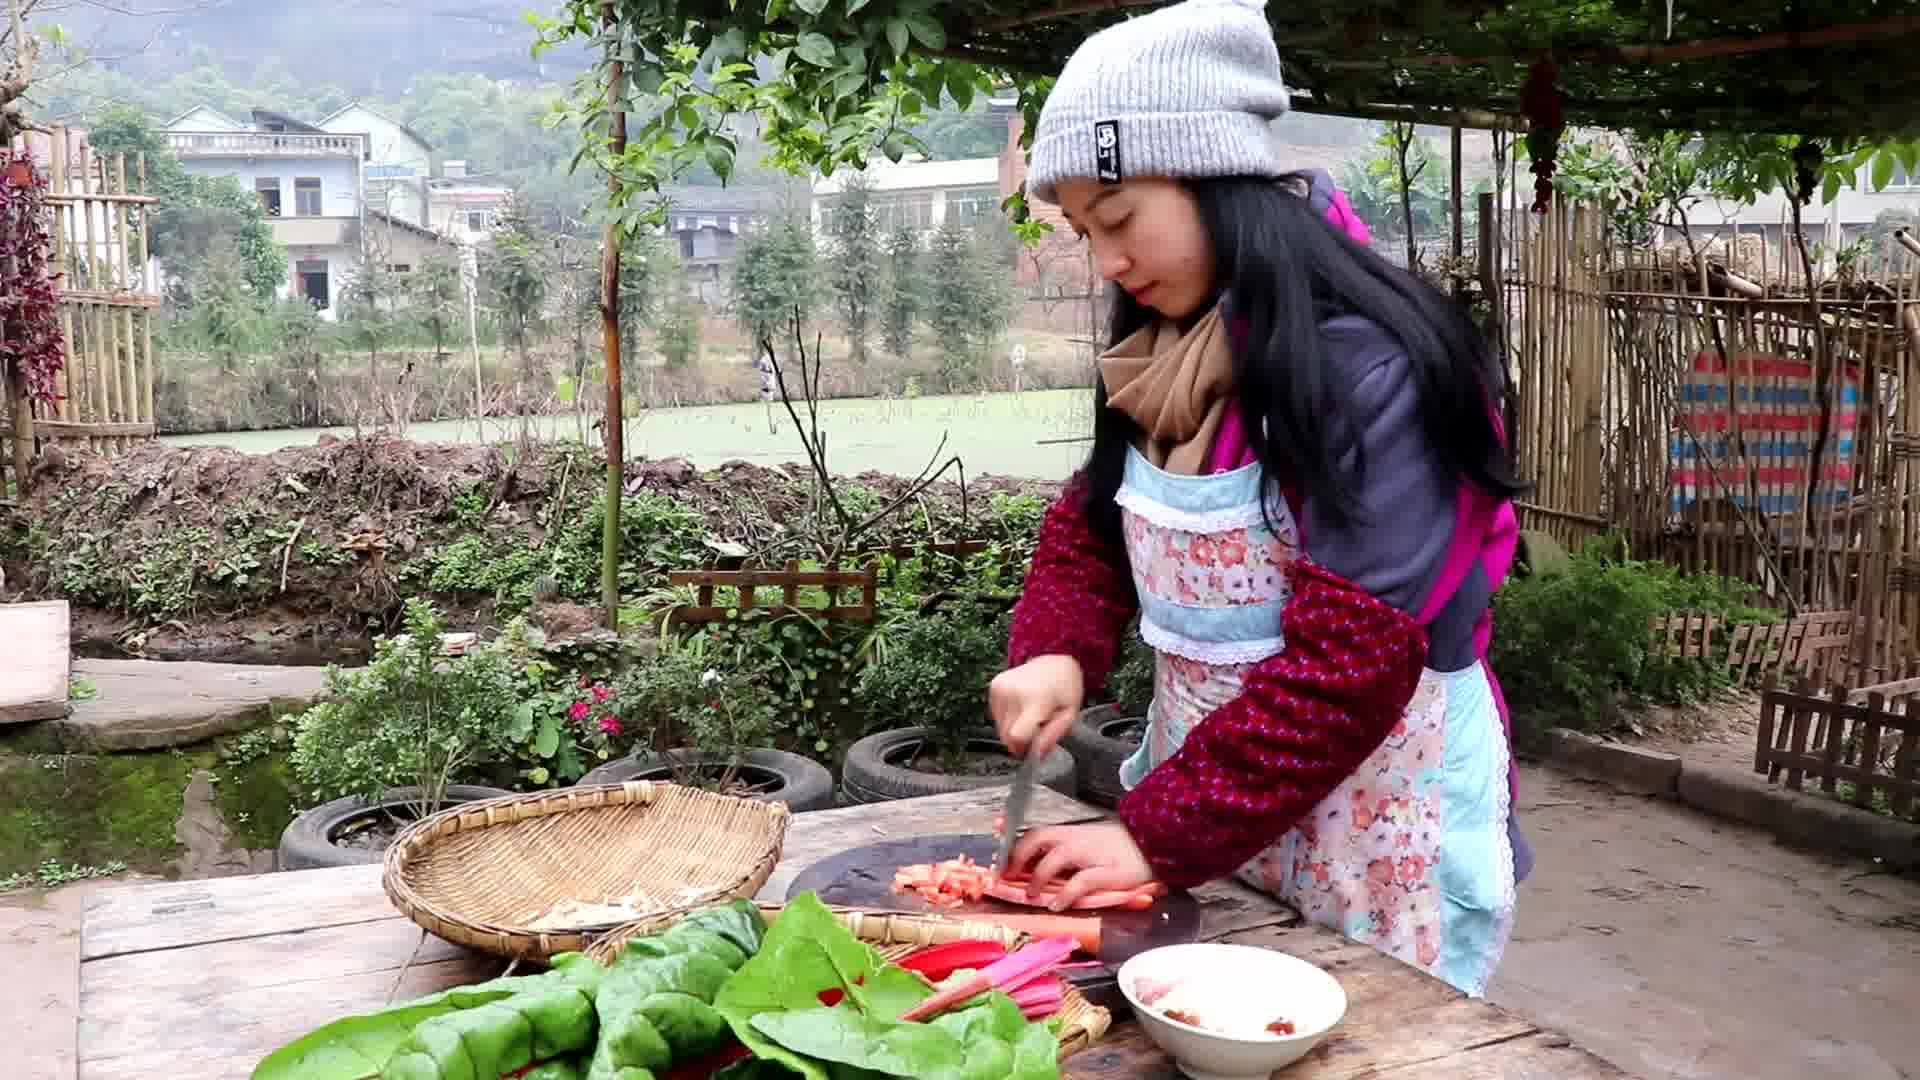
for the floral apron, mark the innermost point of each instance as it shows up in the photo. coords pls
(1411, 854)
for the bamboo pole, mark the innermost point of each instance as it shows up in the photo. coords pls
(62, 222)
(101, 409)
(145, 316)
(610, 341)
(125, 376)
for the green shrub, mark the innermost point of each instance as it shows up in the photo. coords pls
(410, 717)
(1130, 687)
(1571, 647)
(934, 673)
(695, 695)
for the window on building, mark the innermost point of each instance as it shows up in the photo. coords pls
(686, 244)
(311, 280)
(268, 188)
(479, 220)
(1903, 178)
(905, 212)
(968, 206)
(399, 268)
(306, 196)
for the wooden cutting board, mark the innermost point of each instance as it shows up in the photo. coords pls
(862, 877)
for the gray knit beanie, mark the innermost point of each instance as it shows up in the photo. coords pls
(1187, 91)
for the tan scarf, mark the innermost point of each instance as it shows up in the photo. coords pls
(1175, 386)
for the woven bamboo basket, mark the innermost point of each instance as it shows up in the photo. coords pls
(530, 876)
(894, 936)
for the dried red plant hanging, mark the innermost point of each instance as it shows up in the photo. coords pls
(30, 339)
(1544, 106)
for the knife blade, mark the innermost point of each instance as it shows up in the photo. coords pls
(1016, 814)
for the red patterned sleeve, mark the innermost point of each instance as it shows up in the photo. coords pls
(1078, 596)
(1305, 720)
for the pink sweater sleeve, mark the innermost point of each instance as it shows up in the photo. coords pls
(1078, 597)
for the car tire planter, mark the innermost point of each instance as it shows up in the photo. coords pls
(1101, 739)
(804, 784)
(876, 770)
(309, 840)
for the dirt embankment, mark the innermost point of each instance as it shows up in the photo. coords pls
(300, 556)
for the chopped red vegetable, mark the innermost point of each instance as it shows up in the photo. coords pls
(954, 882)
(938, 962)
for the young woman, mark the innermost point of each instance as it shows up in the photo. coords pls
(1298, 482)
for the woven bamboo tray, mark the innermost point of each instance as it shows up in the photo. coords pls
(894, 936)
(522, 876)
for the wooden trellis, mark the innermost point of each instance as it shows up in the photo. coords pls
(746, 586)
(100, 227)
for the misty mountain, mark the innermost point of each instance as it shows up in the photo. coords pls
(366, 47)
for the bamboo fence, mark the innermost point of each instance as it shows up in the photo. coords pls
(100, 227)
(1726, 417)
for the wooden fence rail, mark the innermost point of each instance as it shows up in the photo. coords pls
(747, 584)
(1867, 746)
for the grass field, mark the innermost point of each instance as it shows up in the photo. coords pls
(992, 433)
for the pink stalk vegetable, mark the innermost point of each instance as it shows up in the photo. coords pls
(1007, 975)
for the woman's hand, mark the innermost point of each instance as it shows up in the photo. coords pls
(1079, 859)
(1033, 705)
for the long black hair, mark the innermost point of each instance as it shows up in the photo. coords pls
(1286, 270)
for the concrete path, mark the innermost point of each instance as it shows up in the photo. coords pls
(1682, 947)
(152, 704)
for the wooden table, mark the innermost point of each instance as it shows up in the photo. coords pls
(202, 979)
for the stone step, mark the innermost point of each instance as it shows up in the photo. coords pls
(154, 704)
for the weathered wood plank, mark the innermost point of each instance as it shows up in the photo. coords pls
(214, 1036)
(142, 918)
(253, 963)
(34, 678)
(1541, 1056)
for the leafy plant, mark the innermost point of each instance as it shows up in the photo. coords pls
(934, 674)
(1606, 602)
(52, 874)
(32, 349)
(853, 229)
(1130, 686)
(410, 717)
(694, 707)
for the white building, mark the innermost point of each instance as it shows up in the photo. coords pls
(463, 206)
(399, 161)
(921, 195)
(312, 184)
(309, 182)
(1846, 219)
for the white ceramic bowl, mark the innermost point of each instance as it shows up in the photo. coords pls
(1312, 1000)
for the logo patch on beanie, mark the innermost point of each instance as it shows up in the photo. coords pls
(1106, 151)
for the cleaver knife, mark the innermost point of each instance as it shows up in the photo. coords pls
(1018, 796)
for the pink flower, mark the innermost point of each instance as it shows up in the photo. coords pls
(580, 711)
(584, 682)
(610, 724)
(601, 694)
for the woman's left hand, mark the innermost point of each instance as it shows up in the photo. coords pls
(1079, 859)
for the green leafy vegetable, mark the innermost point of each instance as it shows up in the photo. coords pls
(774, 1006)
(497, 1038)
(358, 1047)
(552, 1070)
(655, 1005)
